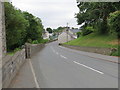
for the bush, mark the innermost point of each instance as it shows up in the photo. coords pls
(78, 34)
(87, 30)
(35, 42)
(40, 41)
(114, 22)
(29, 41)
(115, 53)
(44, 41)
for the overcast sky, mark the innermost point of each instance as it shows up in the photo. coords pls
(53, 13)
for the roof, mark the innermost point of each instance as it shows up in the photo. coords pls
(74, 30)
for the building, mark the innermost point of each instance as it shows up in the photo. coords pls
(69, 35)
(73, 32)
(46, 35)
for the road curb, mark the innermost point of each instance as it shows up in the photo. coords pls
(94, 57)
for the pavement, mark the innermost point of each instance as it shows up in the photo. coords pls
(25, 78)
(60, 67)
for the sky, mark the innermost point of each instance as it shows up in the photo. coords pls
(53, 13)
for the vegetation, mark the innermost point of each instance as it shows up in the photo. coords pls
(87, 30)
(14, 51)
(114, 23)
(95, 14)
(96, 40)
(21, 27)
(49, 30)
(58, 30)
(40, 41)
(78, 34)
(101, 25)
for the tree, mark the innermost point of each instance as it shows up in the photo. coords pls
(49, 30)
(21, 27)
(95, 14)
(35, 28)
(15, 27)
(114, 22)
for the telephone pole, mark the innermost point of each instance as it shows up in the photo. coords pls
(67, 32)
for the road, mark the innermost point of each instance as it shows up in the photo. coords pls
(59, 67)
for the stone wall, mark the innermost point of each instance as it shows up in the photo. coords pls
(11, 66)
(32, 49)
(35, 48)
(105, 51)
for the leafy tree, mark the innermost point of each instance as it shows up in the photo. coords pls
(114, 22)
(21, 27)
(35, 28)
(87, 30)
(49, 30)
(15, 26)
(96, 13)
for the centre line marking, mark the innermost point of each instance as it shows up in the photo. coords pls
(63, 57)
(88, 67)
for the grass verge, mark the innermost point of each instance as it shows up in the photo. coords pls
(95, 40)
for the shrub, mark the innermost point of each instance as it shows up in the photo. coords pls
(87, 30)
(44, 41)
(29, 41)
(35, 42)
(78, 34)
(114, 22)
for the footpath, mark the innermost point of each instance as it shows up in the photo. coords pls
(25, 77)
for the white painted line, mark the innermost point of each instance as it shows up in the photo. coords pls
(52, 49)
(35, 79)
(88, 67)
(63, 57)
(61, 47)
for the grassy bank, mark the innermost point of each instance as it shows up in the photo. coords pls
(94, 40)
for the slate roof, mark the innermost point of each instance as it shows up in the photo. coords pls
(74, 30)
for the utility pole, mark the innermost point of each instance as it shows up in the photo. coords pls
(67, 32)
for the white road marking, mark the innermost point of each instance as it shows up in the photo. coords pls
(88, 67)
(52, 49)
(61, 47)
(63, 57)
(35, 79)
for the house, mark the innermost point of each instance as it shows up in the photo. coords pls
(74, 32)
(46, 35)
(68, 35)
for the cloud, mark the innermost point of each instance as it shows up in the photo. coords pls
(53, 13)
